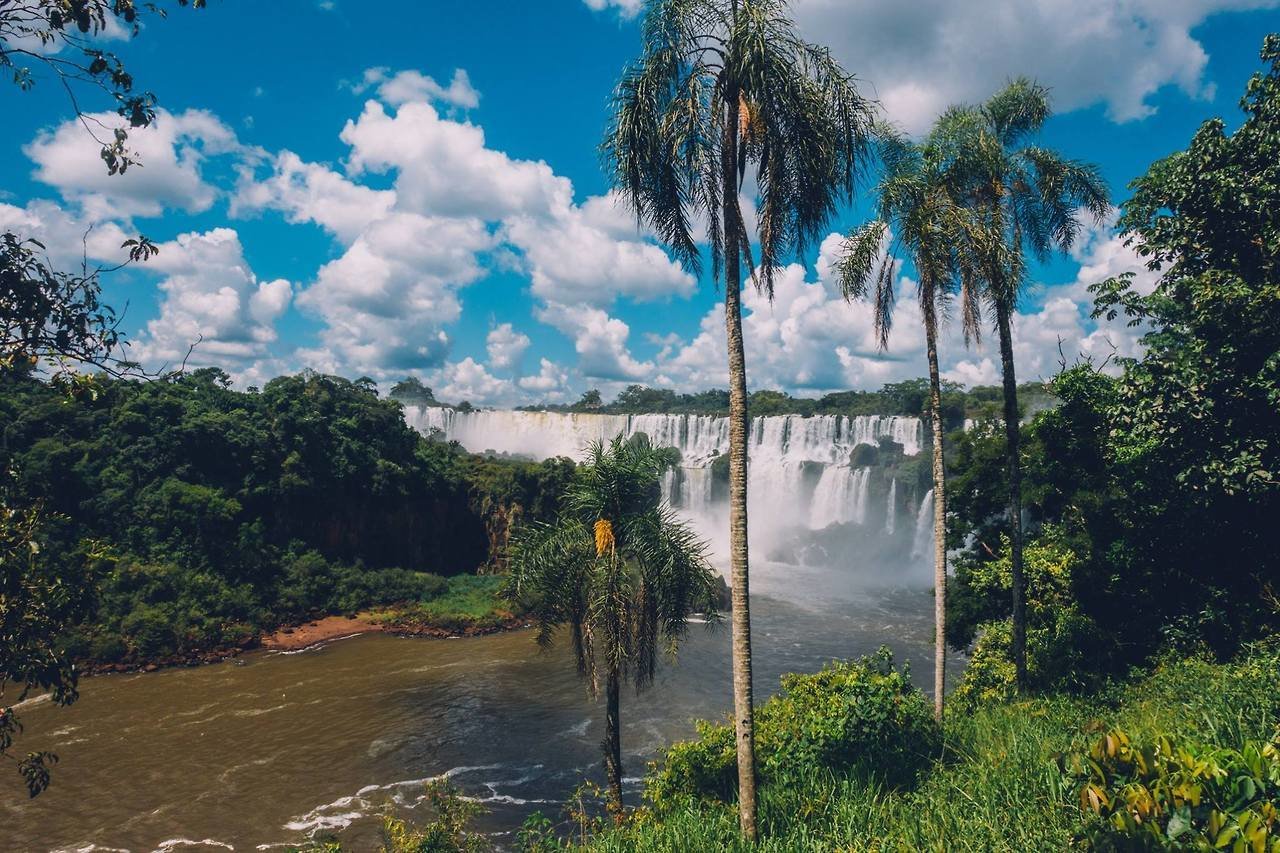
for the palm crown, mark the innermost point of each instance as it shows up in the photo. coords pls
(710, 69)
(1021, 195)
(917, 215)
(617, 568)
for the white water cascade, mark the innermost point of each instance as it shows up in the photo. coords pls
(801, 471)
(922, 542)
(840, 497)
(891, 508)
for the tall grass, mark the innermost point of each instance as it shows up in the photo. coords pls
(998, 786)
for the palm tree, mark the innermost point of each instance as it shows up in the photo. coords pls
(916, 212)
(720, 86)
(1021, 197)
(619, 571)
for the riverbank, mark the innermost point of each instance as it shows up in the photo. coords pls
(401, 623)
(470, 606)
(294, 638)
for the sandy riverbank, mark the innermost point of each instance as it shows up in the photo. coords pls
(318, 631)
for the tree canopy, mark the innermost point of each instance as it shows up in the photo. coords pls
(1164, 483)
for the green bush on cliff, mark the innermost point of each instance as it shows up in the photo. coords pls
(860, 716)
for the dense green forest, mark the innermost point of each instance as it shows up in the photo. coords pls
(909, 397)
(203, 515)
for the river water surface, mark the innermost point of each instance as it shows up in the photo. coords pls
(276, 748)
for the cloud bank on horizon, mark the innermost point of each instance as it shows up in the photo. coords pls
(422, 207)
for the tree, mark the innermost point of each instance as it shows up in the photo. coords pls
(39, 600)
(722, 86)
(65, 31)
(1021, 197)
(411, 388)
(916, 214)
(1195, 427)
(56, 319)
(51, 317)
(619, 571)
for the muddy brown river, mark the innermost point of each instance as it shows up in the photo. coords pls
(277, 748)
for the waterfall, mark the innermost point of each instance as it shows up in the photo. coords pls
(891, 508)
(923, 538)
(800, 473)
(840, 497)
(824, 439)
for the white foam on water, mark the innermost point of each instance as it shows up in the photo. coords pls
(345, 811)
(257, 712)
(34, 700)
(173, 843)
(316, 646)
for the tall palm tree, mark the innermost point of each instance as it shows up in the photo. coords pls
(723, 86)
(917, 213)
(1022, 197)
(619, 571)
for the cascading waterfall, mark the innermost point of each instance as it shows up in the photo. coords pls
(826, 439)
(840, 497)
(891, 508)
(922, 542)
(801, 473)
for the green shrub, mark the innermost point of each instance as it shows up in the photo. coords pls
(310, 583)
(1163, 794)
(1061, 641)
(150, 632)
(450, 832)
(863, 716)
(391, 585)
(107, 647)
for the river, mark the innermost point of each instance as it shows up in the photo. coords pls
(275, 748)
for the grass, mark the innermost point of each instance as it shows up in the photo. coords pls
(998, 787)
(468, 603)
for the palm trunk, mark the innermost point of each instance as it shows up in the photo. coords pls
(613, 744)
(939, 513)
(1012, 435)
(743, 710)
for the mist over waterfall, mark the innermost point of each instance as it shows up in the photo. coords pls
(822, 489)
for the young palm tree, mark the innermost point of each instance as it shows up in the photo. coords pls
(619, 571)
(1021, 197)
(722, 86)
(915, 208)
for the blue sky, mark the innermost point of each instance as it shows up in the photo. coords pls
(419, 193)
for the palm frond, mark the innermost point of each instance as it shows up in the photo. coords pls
(857, 259)
(624, 603)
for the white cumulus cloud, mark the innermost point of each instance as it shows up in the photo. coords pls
(401, 87)
(923, 56)
(312, 192)
(506, 346)
(211, 298)
(170, 154)
(387, 300)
